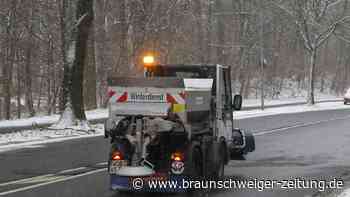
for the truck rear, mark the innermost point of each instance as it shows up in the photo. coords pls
(167, 127)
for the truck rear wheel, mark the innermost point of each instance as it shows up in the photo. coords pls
(220, 172)
(196, 162)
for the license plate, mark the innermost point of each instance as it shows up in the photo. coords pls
(116, 165)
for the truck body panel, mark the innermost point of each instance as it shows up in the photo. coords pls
(186, 111)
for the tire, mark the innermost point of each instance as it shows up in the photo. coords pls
(220, 172)
(196, 163)
(345, 103)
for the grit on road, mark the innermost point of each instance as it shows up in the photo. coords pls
(77, 167)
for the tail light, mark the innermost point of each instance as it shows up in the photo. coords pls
(117, 155)
(177, 156)
(177, 163)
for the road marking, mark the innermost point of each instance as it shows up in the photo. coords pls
(102, 163)
(73, 170)
(298, 126)
(24, 180)
(64, 178)
(40, 180)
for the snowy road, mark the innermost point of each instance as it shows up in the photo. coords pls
(77, 167)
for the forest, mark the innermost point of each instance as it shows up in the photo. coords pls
(55, 53)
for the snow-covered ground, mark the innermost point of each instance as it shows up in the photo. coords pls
(39, 120)
(35, 137)
(290, 110)
(281, 101)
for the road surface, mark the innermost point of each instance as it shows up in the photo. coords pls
(287, 148)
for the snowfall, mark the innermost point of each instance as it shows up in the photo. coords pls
(37, 138)
(40, 136)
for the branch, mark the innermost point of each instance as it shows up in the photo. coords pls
(330, 30)
(340, 37)
(324, 10)
(304, 31)
(300, 26)
(232, 13)
(335, 3)
(325, 35)
(227, 45)
(80, 20)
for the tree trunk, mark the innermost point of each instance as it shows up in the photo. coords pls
(19, 91)
(7, 89)
(200, 31)
(247, 87)
(28, 63)
(74, 55)
(89, 88)
(50, 67)
(28, 79)
(209, 33)
(41, 83)
(311, 87)
(101, 29)
(220, 56)
(10, 52)
(85, 14)
(64, 43)
(122, 63)
(322, 82)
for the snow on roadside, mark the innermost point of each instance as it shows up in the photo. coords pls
(32, 138)
(290, 110)
(281, 101)
(39, 120)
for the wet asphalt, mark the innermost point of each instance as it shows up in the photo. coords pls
(315, 152)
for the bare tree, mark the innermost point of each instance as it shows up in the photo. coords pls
(315, 28)
(122, 63)
(11, 32)
(28, 59)
(89, 87)
(74, 114)
(176, 32)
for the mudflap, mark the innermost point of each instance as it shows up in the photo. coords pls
(155, 183)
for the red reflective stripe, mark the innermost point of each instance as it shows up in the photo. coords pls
(111, 93)
(170, 99)
(123, 98)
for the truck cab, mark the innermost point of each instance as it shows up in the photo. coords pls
(176, 121)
